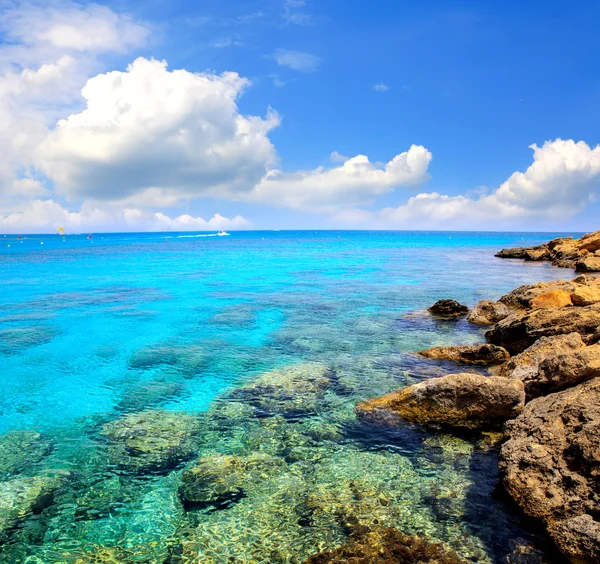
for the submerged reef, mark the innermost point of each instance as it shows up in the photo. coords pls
(19, 450)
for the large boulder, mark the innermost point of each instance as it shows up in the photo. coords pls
(151, 441)
(462, 400)
(487, 312)
(585, 295)
(525, 366)
(484, 355)
(567, 370)
(551, 467)
(588, 264)
(448, 308)
(523, 297)
(520, 331)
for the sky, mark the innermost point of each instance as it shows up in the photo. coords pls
(299, 114)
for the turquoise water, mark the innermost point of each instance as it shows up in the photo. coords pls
(93, 331)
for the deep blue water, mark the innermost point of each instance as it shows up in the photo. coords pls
(94, 329)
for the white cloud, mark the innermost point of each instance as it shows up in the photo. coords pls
(293, 13)
(297, 60)
(356, 182)
(153, 130)
(563, 178)
(44, 216)
(381, 87)
(336, 157)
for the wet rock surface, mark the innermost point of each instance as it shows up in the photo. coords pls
(483, 355)
(551, 466)
(448, 308)
(462, 400)
(151, 441)
(487, 312)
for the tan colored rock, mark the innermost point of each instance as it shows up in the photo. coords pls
(588, 264)
(585, 295)
(551, 467)
(520, 331)
(566, 370)
(554, 299)
(525, 366)
(487, 312)
(483, 355)
(460, 400)
(522, 297)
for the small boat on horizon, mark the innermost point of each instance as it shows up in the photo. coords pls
(222, 233)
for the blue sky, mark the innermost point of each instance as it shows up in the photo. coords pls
(472, 83)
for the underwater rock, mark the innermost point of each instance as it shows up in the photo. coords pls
(22, 497)
(483, 355)
(384, 545)
(291, 391)
(151, 441)
(153, 356)
(448, 308)
(518, 332)
(148, 394)
(20, 449)
(525, 366)
(551, 467)
(565, 370)
(17, 339)
(487, 312)
(220, 479)
(464, 400)
(553, 299)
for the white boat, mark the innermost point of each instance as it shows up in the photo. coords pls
(222, 233)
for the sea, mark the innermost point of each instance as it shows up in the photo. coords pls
(190, 397)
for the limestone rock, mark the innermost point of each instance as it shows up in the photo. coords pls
(551, 467)
(462, 400)
(567, 370)
(487, 312)
(553, 299)
(151, 441)
(520, 331)
(525, 366)
(588, 264)
(483, 355)
(448, 308)
(585, 295)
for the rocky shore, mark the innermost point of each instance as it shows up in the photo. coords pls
(581, 254)
(542, 392)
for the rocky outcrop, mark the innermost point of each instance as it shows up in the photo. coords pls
(151, 441)
(551, 467)
(525, 366)
(519, 331)
(483, 355)
(564, 252)
(448, 308)
(566, 370)
(487, 312)
(469, 401)
(221, 479)
(380, 545)
(585, 295)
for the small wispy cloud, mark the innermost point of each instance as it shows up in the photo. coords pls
(277, 82)
(297, 60)
(227, 42)
(336, 157)
(381, 87)
(293, 13)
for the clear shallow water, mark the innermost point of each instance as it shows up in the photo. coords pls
(93, 333)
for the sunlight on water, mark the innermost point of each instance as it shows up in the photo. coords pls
(193, 400)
